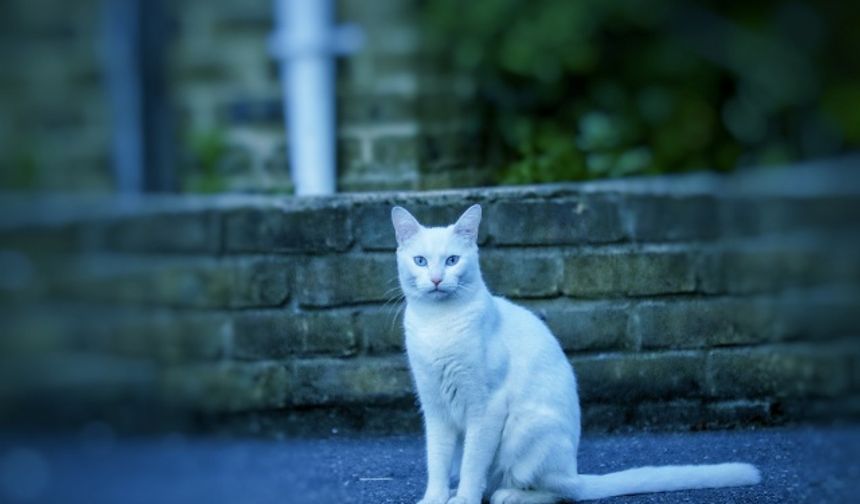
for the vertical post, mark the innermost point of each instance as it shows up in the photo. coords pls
(134, 37)
(306, 42)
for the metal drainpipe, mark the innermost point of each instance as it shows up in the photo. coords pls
(306, 43)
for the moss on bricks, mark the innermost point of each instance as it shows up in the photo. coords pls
(740, 413)
(634, 377)
(664, 414)
(522, 274)
(629, 273)
(582, 327)
(267, 230)
(346, 279)
(197, 283)
(261, 282)
(284, 333)
(369, 380)
(778, 371)
(704, 322)
(227, 387)
(169, 337)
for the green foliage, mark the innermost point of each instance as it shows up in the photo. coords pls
(208, 148)
(582, 89)
(21, 171)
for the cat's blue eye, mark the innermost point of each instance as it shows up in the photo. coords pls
(420, 260)
(452, 260)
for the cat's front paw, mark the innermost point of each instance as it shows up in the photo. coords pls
(434, 499)
(462, 500)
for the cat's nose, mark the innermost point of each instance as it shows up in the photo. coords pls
(436, 281)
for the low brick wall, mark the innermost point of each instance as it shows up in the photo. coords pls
(692, 301)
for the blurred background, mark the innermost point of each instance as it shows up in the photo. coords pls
(190, 95)
(167, 291)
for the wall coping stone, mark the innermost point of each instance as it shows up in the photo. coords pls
(833, 177)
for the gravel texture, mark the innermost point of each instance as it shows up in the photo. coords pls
(800, 464)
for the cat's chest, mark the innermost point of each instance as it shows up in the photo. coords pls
(443, 339)
(456, 363)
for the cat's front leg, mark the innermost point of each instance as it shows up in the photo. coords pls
(441, 438)
(483, 432)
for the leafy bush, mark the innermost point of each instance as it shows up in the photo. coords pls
(582, 89)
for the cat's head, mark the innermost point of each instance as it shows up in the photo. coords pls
(437, 263)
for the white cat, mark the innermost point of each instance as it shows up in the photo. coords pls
(499, 397)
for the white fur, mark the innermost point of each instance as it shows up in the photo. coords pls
(498, 395)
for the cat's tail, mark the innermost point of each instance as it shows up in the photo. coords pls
(661, 479)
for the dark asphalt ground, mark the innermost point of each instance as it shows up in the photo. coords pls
(803, 464)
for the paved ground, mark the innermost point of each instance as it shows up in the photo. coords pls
(798, 465)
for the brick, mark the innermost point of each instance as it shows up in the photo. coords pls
(346, 279)
(671, 413)
(740, 413)
(365, 381)
(26, 331)
(381, 329)
(260, 282)
(777, 371)
(853, 358)
(634, 377)
(588, 326)
(168, 337)
(374, 230)
(522, 274)
(774, 266)
(703, 323)
(200, 283)
(75, 378)
(283, 333)
(287, 230)
(815, 317)
(362, 176)
(171, 233)
(602, 418)
(757, 216)
(588, 219)
(350, 153)
(659, 218)
(770, 215)
(445, 174)
(228, 387)
(631, 273)
(61, 238)
(444, 153)
(846, 408)
(397, 150)
(376, 108)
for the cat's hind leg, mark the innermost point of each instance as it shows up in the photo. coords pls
(517, 496)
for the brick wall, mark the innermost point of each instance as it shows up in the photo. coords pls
(55, 124)
(692, 302)
(401, 124)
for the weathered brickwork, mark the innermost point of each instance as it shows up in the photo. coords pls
(672, 313)
(401, 123)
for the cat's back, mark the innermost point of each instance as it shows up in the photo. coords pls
(520, 326)
(540, 377)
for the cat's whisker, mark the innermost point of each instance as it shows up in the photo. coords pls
(394, 301)
(396, 316)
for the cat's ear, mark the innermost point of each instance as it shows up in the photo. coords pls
(467, 225)
(405, 226)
